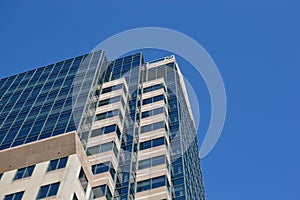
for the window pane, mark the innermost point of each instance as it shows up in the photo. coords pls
(53, 165)
(156, 87)
(96, 132)
(179, 190)
(158, 111)
(15, 196)
(93, 150)
(43, 191)
(106, 147)
(83, 179)
(147, 89)
(146, 128)
(100, 168)
(146, 114)
(144, 164)
(109, 129)
(145, 145)
(158, 160)
(30, 170)
(98, 191)
(20, 173)
(103, 102)
(147, 101)
(158, 141)
(143, 185)
(26, 173)
(158, 125)
(114, 113)
(19, 195)
(101, 116)
(158, 98)
(9, 197)
(53, 189)
(62, 162)
(158, 182)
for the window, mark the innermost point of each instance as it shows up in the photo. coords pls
(112, 88)
(143, 164)
(24, 172)
(154, 87)
(151, 162)
(1, 174)
(152, 143)
(48, 190)
(151, 183)
(151, 127)
(152, 112)
(143, 185)
(83, 179)
(15, 196)
(177, 169)
(158, 160)
(106, 130)
(109, 114)
(57, 164)
(153, 99)
(99, 191)
(111, 101)
(179, 190)
(178, 181)
(158, 182)
(100, 168)
(99, 148)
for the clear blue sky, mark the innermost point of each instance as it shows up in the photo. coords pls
(256, 45)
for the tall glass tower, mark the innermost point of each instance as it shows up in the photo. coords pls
(88, 128)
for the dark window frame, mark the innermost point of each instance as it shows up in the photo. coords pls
(14, 196)
(153, 161)
(153, 143)
(152, 183)
(24, 172)
(48, 190)
(57, 164)
(150, 113)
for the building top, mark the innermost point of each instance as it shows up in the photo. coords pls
(50, 100)
(168, 60)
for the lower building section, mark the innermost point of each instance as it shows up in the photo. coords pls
(53, 168)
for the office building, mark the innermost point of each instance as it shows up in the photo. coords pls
(89, 128)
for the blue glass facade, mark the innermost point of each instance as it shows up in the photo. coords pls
(46, 101)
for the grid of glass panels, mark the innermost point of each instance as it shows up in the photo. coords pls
(128, 67)
(187, 182)
(84, 114)
(44, 102)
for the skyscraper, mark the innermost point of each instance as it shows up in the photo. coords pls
(88, 128)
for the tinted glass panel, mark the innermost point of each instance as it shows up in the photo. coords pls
(53, 189)
(15, 196)
(158, 182)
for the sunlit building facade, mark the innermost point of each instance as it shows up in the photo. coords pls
(88, 128)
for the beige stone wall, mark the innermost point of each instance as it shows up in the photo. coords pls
(69, 183)
(40, 154)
